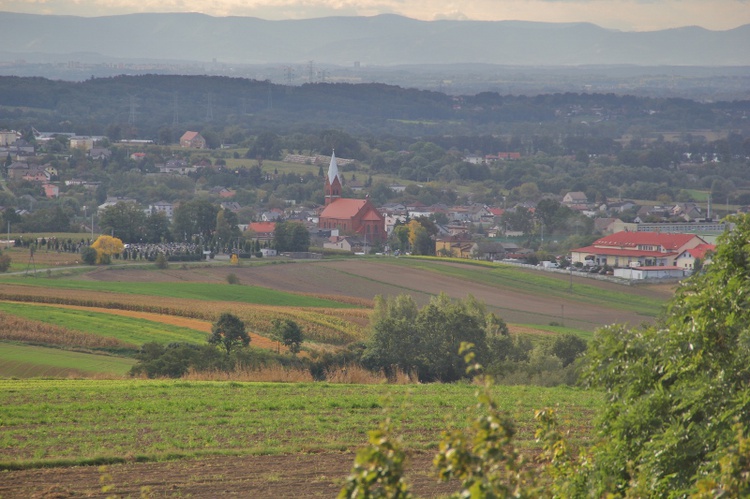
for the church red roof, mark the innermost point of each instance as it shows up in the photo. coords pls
(343, 208)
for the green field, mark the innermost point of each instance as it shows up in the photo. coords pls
(190, 290)
(128, 329)
(26, 361)
(67, 422)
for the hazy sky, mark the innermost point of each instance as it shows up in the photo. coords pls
(629, 15)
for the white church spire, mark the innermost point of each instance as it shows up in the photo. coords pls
(333, 169)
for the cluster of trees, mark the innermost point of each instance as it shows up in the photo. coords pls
(425, 342)
(226, 349)
(675, 422)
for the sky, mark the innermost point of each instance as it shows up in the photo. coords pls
(625, 15)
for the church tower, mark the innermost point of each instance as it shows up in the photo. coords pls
(333, 183)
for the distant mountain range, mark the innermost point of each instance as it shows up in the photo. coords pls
(379, 40)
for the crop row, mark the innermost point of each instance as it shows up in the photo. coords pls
(73, 420)
(14, 328)
(335, 326)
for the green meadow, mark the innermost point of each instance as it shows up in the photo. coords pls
(27, 361)
(69, 422)
(127, 329)
(189, 290)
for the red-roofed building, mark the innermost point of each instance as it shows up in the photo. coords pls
(349, 216)
(193, 140)
(688, 258)
(649, 249)
(262, 231)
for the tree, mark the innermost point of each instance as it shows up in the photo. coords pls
(291, 236)
(289, 333)
(5, 261)
(125, 221)
(229, 333)
(157, 228)
(89, 255)
(105, 247)
(427, 340)
(676, 390)
(197, 217)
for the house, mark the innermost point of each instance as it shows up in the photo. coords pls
(113, 200)
(457, 246)
(37, 175)
(192, 140)
(51, 190)
(688, 258)
(17, 170)
(645, 249)
(138, 156)
(100, 153)
(272, 215)
(82, 142)
(344, 243)
(162, 207)
(349, 216)
(575, 198)
(262, 231)
(232, 206)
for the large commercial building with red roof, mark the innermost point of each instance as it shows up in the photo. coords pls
(349, 216)
(647, 249)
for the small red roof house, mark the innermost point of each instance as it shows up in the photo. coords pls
(349, 216)
(647, 249)
(192, 140)
(51, 190)
(688, 258)
(262, 231)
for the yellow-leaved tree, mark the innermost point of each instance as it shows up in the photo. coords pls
(105, 247)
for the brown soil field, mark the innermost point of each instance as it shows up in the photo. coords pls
(368, 278)
(276, 476)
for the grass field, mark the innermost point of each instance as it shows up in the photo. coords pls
(71, 422)
(26, 361)
(188, 290)
(126, 329)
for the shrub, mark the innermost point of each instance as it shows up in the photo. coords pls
(161, 262)
(233, 279)
(4, 262)
(88, 255)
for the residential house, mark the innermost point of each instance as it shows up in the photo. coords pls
(687, 259)
(113, 200)
(8, 137)
(272, 215)
(17, 170)
(645, 249)
(192, 140)
(232, 206)
(457, 246)
(100, 153)
(262, 231)
(162, 207)
(345, 243)
(37, 175)
(51, 190)
(82, 142)
(576, 200)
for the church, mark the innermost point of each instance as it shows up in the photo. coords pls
(350, 216)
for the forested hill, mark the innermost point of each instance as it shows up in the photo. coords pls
(378, 40)
(149, 106)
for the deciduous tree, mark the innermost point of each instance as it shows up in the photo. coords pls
(229, 333)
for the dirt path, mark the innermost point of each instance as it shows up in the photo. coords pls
(282, 476)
